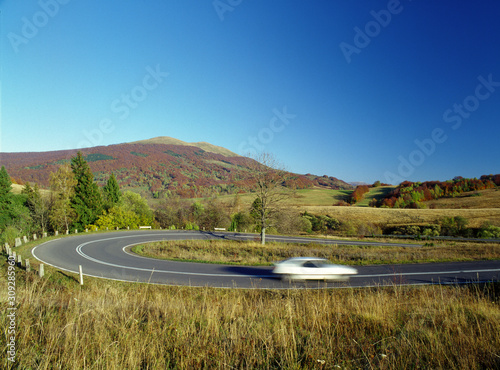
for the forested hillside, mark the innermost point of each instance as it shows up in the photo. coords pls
(154, 170)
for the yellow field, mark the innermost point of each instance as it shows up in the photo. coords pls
(17, 189)
(488, 199)
(395, 216)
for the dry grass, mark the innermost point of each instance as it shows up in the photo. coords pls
(111, 325)
(253, 253)
(489, 198)
(395, 216)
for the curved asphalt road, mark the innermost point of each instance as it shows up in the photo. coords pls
(107, 256)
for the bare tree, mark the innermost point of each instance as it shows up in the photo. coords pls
(267, 177)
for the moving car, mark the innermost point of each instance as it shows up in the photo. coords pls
(312, 268)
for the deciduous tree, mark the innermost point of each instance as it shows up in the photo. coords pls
(62, 185)
(267, 176)
(135, 203)
(38, 206)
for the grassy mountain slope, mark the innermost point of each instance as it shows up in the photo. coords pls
(202, 145)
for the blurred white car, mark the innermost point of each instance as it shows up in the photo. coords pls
(312, 268)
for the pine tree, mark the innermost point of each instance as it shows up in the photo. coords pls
(112, 194)
(86, 200)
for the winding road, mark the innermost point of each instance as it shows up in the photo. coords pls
(108, 256)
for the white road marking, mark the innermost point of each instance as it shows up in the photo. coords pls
(82, 254)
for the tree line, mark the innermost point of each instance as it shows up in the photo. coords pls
(413, 194)
(77, 202)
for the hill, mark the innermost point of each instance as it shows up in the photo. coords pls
(202, 145)
(156, 167)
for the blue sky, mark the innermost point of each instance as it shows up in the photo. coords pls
(359, 90)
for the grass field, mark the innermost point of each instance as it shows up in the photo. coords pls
(489, 198)
(395, 216)
(476, 209)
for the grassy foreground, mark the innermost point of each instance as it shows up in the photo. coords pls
(253, 253)
(115, 325)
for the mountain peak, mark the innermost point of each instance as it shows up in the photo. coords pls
(167, 140)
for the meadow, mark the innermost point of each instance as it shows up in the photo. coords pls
(115, 325)
(477, 209)
(253, 253)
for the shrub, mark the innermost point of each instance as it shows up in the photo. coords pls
(9, 235)
(241, 221)
(431, 230)
(323, 224)
(357, 228)
(407, 230)
(454, 226)
(489, 231)
(191, 226)
(306, 224)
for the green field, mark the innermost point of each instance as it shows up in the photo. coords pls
(301, 197)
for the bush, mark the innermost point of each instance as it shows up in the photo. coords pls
(288, 222)
(306, 224)
(241, 221)
(489, 231)
(9, 235)
(431, 230)
(357, 228)
(454, 226)
(406, 230)
(191, 226)
(322, 223)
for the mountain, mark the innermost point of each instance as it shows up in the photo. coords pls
(156, 167)
(202, 145)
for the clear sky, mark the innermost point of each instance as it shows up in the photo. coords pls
(359, 90)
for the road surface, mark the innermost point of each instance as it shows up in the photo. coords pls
(107, 255)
